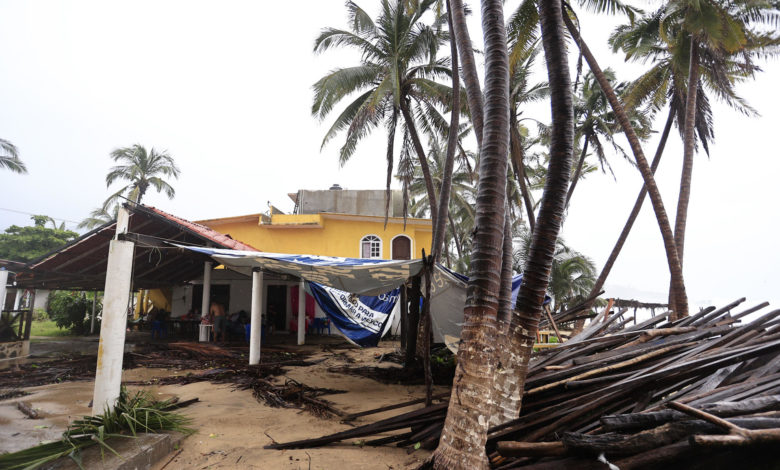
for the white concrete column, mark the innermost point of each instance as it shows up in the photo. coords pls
(255, 332)
(94, 311)
(206, 302)
(108, 375)
(3, 291)
(301, 313)
(18, 298)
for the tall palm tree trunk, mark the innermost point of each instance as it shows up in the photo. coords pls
(452, 145)
(462, 444)
(455, 235)
(442, 215)
(536, 275)
(675, 269)
(689, 140)
(519, 167)
(506, 400)
(640, 199)
(418, 148)
(468, 68)
(577, 172)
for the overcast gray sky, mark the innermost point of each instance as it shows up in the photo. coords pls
(225, 87)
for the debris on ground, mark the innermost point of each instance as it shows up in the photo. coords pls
(707, 361)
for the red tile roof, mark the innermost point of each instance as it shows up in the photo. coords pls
(225, 240)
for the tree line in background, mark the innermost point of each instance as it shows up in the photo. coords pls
(488, 215)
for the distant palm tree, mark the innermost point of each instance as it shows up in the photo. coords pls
(572, 276)
(143, 170)
(9, 157)
(595, 124)
(98, 217)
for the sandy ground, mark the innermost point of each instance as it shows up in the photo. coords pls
(232, 427)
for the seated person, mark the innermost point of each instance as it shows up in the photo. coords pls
(220, 321)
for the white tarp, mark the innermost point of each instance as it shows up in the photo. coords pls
(357, 276)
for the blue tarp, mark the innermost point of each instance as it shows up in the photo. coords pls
(361, 319)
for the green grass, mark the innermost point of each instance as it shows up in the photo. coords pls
(47, 328)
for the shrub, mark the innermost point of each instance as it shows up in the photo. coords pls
(71, 310)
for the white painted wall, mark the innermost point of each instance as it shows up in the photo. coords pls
(41, 301)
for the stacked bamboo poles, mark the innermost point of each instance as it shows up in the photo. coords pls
(613, 369)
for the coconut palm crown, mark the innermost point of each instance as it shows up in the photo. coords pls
(9, 157)
(143, 170)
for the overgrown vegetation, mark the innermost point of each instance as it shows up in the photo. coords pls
(71, 310)
(133, 414)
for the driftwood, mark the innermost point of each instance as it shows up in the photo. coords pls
(27, 410)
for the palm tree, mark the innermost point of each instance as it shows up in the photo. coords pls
(395, 79)
(681, 299)
(572, 275)
(143, 170)
(521, 93)
(98, 217)
(523, 29)
(462, 444)
(461, 205)
(9, 157)
(595, 124)
(712, 31)
(665, 84)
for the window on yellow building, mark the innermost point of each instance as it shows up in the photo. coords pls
(371, 247)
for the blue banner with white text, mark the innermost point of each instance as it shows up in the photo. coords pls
(362, 319)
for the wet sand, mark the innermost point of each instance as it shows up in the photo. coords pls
(232, 427)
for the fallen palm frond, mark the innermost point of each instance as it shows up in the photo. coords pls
(188, 356)
(133, 414)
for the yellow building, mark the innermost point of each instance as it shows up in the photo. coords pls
(334, 222)
(352, 225)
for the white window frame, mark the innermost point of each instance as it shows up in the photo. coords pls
(411, 245)
(377, 239)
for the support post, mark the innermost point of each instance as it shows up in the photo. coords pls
(108, 375)
(28, 321)
(18, 298)
(94, 310)
(256, 320)
(3, 283)
(206, 301)
(301, 313)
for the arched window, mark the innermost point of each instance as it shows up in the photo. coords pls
(370, 247)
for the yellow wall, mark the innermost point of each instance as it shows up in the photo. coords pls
(323, 234)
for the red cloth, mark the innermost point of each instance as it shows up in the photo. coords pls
(310, 308)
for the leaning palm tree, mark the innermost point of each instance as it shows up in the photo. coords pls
(665, 84)
(394, 82)
(9, 157)
(143, 170)
(714, 29)
(523, 29)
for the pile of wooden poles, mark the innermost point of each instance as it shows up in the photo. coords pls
(613, 368)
